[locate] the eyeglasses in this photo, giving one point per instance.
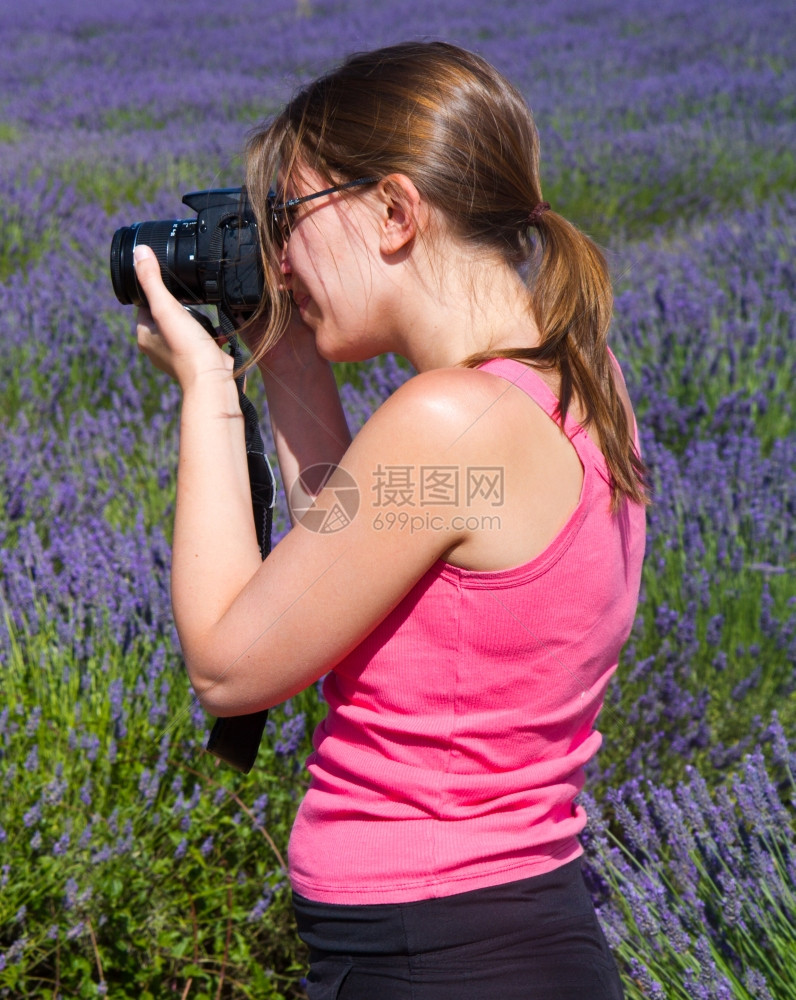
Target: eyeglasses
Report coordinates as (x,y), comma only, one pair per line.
(282,215)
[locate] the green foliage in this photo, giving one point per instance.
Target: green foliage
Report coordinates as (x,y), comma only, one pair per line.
(10,133)
(135,859)
(114,185)
(609,195)
(732,671)
(18,247)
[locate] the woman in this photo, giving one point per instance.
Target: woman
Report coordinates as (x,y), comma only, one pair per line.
(469,613)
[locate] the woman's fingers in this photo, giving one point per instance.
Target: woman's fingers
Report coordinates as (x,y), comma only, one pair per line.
(163,318)
(147,271)
(165,315)
(172,339)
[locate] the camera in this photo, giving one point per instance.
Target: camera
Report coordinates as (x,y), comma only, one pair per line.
(213,259)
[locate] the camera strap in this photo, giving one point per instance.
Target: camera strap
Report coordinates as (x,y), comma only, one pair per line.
(261,476)
(236,739)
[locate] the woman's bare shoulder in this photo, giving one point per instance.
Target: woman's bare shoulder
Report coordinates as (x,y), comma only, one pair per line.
(442,401)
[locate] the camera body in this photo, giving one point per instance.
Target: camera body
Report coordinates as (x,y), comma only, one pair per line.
(213,259)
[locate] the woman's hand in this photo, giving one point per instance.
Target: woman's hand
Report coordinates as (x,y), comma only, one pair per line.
(294,351)
(307,419)
(172,339)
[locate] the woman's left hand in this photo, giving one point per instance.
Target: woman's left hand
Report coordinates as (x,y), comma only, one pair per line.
(167,333)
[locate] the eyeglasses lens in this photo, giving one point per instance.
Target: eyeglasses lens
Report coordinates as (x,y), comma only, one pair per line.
(280,227)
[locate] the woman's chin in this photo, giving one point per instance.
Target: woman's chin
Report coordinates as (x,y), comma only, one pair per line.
(340,353)
(326,351)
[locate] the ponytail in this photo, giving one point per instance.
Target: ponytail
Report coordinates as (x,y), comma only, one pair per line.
(572,301)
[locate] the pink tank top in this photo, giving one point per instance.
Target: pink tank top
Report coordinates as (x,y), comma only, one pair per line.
(458,730)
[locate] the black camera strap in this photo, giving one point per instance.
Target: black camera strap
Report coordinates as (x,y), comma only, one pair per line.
(236,739)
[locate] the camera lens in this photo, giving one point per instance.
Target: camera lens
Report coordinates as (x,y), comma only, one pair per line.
(122,272)
(174,244)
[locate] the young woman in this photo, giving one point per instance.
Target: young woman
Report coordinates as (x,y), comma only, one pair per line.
(469,602)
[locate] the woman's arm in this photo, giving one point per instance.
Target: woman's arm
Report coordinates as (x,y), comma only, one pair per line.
(323,589)
(253,633)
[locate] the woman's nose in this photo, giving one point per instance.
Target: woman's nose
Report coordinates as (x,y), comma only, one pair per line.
(285,270)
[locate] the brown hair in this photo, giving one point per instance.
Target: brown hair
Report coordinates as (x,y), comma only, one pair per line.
(464,135)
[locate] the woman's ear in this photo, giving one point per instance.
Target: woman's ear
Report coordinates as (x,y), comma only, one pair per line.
(403,213)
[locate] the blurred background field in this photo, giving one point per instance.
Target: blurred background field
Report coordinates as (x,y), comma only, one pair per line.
(131,864)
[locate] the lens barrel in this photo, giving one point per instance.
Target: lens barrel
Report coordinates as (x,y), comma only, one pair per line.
(122,271)
(174,244)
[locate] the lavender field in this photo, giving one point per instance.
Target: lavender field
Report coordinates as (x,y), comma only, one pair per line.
(131,864)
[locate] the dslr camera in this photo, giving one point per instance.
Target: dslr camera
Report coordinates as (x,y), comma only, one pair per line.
(213,259)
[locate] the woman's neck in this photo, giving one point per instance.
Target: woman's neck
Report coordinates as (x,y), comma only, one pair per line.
(482,308)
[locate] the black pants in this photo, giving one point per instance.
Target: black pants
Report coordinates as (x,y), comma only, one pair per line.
(537,939)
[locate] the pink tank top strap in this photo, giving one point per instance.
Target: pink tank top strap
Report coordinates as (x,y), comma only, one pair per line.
(531,382)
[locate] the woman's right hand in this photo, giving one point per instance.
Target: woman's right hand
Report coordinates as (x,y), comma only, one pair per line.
(172,339)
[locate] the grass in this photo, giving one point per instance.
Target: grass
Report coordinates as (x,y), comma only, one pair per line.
(618,210)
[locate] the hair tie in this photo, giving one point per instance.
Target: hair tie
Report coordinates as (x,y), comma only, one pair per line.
(538,212)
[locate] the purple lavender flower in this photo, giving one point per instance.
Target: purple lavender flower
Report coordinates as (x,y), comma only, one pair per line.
(33,815)
(61,845)
(293,732)
(756,983)
(76,930)
(85,792)
(70,897)
(32,760)
(260,907)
